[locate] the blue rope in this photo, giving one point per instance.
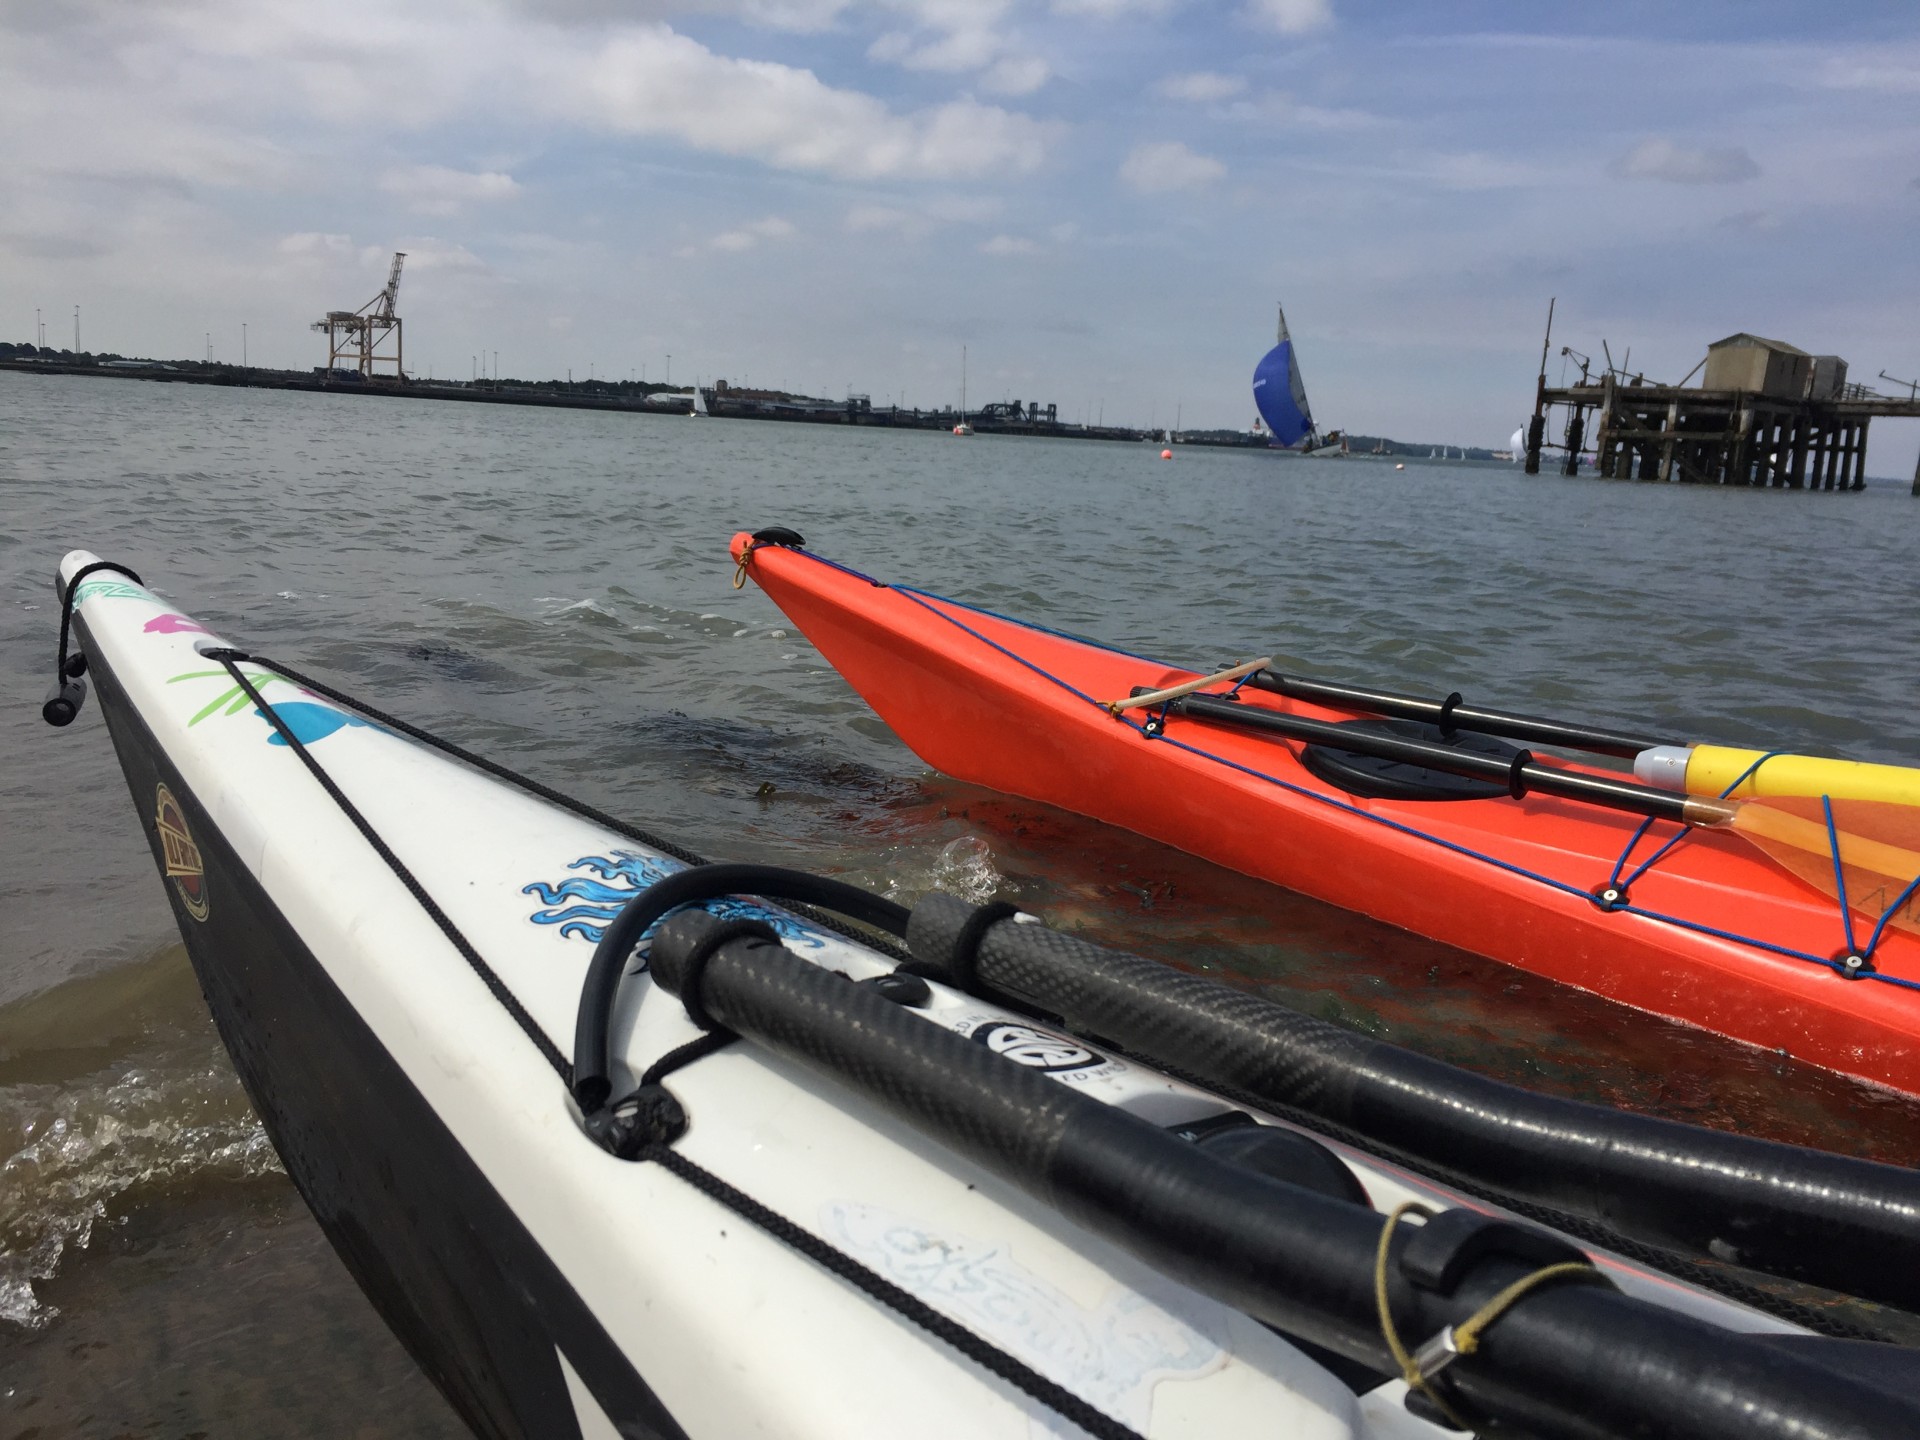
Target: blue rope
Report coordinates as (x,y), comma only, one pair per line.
(1887,915)
(923,599)
(1839,876)
(1615,882)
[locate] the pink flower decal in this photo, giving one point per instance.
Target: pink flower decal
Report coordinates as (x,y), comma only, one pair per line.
(174,625)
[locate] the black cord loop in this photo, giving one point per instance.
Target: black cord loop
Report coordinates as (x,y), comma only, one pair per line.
(963,961)
(69,691)
(696,965)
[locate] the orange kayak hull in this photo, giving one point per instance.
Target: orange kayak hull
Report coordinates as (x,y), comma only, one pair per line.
(1714,934)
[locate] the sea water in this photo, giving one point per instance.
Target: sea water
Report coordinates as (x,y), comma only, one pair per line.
(553,589)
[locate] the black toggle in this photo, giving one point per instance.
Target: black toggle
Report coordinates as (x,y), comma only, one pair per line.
(63,702)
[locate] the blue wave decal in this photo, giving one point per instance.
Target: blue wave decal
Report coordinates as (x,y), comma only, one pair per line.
(309,722)
(583,907)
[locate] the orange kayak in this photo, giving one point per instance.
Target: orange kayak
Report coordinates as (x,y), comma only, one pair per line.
(1712,932)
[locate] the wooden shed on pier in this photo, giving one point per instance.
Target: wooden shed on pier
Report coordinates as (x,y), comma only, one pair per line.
(1766,413)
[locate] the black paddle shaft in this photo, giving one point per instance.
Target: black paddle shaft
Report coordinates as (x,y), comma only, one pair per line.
(1520,774)
(1452,714)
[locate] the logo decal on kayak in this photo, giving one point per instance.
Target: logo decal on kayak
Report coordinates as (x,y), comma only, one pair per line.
(184,866)
(583,907)
(1035,1049)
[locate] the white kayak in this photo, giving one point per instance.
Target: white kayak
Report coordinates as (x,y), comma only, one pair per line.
(889,1206)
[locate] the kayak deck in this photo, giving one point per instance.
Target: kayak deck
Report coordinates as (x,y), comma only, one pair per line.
(1711,932)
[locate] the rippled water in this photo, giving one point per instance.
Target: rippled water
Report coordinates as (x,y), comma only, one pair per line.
(553,590)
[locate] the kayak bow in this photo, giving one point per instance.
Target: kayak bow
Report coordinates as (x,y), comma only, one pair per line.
(789,1187)
(1722,930)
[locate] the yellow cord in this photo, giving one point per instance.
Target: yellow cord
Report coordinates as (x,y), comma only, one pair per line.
(740,570)
(1466,1335)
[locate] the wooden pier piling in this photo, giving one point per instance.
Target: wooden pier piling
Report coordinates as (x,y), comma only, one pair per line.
(1768,416)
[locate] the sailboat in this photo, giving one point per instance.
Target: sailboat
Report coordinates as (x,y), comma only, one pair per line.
(963,428)
(1282,400)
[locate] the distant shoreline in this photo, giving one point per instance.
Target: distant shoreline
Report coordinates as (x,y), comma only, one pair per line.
(631,399)
(507,393)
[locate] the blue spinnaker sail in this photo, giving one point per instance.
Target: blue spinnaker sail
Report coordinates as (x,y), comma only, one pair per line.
(1275,387)
(1280,395)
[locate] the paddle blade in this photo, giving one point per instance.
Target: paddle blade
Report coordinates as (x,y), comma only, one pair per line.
(1879,849)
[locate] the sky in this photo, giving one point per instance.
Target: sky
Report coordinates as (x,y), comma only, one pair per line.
(1101,200)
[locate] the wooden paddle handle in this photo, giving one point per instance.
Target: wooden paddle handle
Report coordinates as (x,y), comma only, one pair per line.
(1187,687)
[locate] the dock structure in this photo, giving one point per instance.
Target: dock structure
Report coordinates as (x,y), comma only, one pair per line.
(1766,414)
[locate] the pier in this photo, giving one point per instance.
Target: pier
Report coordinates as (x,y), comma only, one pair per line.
(1767,414)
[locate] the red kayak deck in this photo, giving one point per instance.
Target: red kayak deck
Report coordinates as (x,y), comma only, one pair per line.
(1714,934)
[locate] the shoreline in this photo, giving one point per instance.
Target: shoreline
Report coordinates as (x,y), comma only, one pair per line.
(489,393)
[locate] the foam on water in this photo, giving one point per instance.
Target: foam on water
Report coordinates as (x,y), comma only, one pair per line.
(114,1094)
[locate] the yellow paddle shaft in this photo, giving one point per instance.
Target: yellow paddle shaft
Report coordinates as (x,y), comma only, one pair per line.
(1712,768)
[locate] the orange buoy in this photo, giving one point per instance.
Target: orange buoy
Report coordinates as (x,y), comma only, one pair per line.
(1166,454)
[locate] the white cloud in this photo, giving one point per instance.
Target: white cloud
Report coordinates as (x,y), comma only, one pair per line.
(425,255)
(1112,9)
(652,81)
(438,190)
(1009,245)
(958,37)
(1291,17)
(878,217)
(1889,70)
(1657,158)
(314,242)
(1017,75)
(745,237)
(1476,170)
(1278,107)
(924,217)
(965,209)
(179,92)
(1169,165)
(1201,87)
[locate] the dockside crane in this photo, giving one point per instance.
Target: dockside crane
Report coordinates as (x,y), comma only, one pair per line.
(365,340)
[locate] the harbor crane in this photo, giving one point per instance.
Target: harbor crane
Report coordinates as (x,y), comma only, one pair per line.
(360,342)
